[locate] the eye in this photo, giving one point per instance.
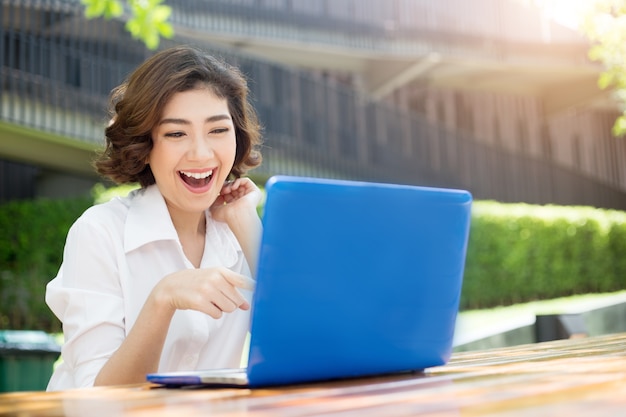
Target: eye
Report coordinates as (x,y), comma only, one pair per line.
(219,130)
(174,134)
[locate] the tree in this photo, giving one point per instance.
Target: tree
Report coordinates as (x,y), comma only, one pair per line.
(148,19)
(605,26)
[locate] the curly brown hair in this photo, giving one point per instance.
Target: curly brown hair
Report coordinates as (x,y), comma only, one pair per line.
(137,105)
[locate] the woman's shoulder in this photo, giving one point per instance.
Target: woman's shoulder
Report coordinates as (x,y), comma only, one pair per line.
(110,213)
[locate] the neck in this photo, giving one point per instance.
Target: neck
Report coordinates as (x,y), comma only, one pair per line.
(186,223)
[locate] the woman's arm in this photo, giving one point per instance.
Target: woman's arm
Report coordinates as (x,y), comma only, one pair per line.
(140,351)
(212,291)
(247,229)
(236,206)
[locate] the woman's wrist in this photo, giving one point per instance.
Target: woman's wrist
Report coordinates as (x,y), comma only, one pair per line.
(161,298)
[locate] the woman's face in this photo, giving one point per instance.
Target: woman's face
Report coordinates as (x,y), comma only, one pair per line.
(194,149)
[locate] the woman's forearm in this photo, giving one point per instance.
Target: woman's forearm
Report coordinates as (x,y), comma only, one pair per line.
(247,228)
(140,352)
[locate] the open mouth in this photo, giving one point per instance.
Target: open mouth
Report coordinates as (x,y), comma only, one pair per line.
(196,179)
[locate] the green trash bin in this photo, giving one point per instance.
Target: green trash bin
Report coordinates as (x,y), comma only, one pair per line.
(27,358)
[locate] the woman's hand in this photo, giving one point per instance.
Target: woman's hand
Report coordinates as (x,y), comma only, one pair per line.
(241,195)
(212,291)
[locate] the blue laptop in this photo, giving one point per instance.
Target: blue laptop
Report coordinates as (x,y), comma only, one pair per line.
(354,279)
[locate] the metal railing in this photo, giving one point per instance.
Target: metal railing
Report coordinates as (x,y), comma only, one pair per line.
(313,126)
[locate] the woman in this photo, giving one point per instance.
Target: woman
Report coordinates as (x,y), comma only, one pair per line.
(161,280)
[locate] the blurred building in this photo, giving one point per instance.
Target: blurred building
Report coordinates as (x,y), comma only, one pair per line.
(486,95)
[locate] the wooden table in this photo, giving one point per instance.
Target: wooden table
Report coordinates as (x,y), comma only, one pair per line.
(578,377)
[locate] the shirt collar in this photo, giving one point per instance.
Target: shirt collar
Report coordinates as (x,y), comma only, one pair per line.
(148,219)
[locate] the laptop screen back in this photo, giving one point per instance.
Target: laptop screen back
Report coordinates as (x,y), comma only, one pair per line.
(356,279)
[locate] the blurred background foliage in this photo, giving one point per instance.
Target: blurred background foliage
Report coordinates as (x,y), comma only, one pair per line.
(146,20)
(521,252)
(604,23)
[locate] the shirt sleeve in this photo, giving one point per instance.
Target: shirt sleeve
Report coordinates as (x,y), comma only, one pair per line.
(86,296)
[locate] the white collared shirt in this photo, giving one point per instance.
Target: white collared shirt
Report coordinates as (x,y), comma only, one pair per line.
(114,255)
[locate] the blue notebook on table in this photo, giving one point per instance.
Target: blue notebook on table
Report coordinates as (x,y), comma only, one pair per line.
(354,279)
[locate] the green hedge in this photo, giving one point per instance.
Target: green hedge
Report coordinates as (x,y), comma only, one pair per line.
(516,253)
(31,250)
(521,252)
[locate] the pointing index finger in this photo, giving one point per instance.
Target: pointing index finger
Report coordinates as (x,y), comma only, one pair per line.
(240,281)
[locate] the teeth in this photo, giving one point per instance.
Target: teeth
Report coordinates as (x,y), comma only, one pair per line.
(197,175)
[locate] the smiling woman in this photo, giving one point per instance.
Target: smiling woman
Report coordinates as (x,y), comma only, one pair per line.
(161,279)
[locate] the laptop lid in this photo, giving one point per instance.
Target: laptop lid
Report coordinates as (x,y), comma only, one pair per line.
(355,279)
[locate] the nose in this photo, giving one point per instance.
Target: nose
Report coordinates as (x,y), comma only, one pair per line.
(200,148)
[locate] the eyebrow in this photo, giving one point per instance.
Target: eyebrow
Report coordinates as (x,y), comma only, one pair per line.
(210,119)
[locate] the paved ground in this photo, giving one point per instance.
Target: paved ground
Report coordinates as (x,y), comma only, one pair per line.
(477,324)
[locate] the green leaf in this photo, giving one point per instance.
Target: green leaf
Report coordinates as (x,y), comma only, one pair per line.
(619,128)
(166,30)
(113,9)
(161,13)
(94,8)
(605,80)
(106,8)
(151,40)
(134,27)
